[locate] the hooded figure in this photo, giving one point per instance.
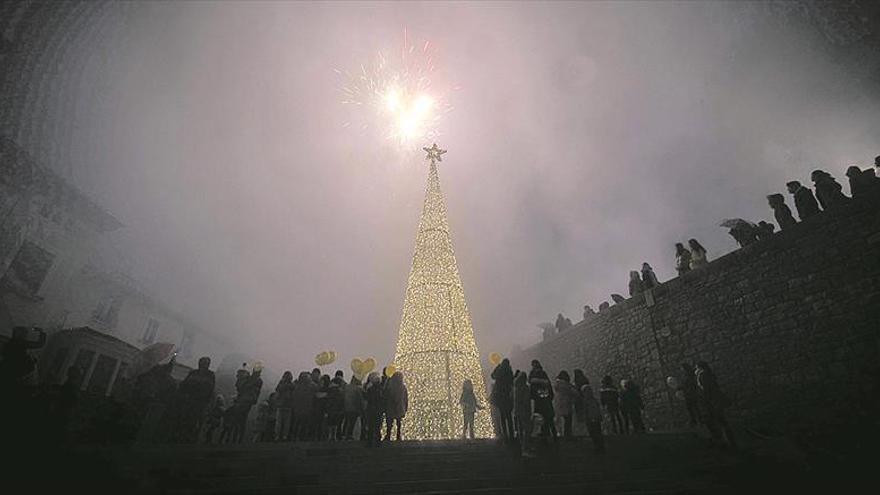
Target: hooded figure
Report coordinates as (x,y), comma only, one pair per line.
(828,191)
(396,403)
(781,211)
(631,407)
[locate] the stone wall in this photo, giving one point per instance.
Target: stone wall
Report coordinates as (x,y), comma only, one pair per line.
(791,326)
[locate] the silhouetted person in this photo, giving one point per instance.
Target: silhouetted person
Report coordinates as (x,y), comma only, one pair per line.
(568,323)
(610,399)
(304,390)
(18,369)
(542,395)
(354,406)
(631,407)
(522,409)
(336,405)
(469,407)
(781,211)
(688,389)
(284,407)
(862,183)
(682,259)
(712,405)
(579,380)
(248,393)
(396,403)
(66,402)
(319,411)
(636,286)
(698,254)
(804,201)
(193,396)
(502,397)
(744,233)
(153,391)
(617,298)
(603,306)
(588,311)
(764,230)
(828,191)
(213,418)
(374,400)
(648,277)
(563,402)
(593,418)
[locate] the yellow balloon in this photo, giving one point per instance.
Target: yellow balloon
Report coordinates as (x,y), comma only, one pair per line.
(331,357)
(356,365)
(390,370)
(494,358)
(368,366)
(321,358)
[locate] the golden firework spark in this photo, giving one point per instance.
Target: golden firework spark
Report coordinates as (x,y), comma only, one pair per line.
(397,95)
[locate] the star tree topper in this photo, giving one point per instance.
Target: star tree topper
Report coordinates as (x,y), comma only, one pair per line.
(434,154)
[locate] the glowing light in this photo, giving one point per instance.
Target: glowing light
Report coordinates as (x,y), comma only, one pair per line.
(436,349)
(398,95)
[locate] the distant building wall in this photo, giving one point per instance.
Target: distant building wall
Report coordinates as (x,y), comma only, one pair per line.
(791,326)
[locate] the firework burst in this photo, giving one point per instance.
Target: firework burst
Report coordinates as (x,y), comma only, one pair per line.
(396,95)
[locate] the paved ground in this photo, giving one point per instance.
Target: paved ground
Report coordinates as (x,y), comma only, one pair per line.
(656,463)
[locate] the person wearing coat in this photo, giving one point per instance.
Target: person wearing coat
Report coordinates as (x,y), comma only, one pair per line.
(804,201)
(396,403)
(698,254)
(303,403)
(712,404)
(682,259)
(631,407)
(828,191)
(593,418)
(284,407)
(354,406)
(502,397)
(542,395)
(610,399)
(522,409)
(649,279)
(469,406)
(636,286)
(563,401)
(374,404)
(781,211)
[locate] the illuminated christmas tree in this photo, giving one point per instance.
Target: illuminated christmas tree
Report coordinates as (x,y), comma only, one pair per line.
(435,347)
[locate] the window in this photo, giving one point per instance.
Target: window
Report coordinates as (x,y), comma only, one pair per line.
(151,331)
(28,269)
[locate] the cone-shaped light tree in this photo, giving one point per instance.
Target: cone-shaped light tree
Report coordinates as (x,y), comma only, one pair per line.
(436,349)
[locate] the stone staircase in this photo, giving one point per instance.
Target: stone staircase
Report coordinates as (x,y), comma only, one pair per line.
(654,463)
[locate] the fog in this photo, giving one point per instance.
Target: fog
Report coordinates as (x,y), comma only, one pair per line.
(585,139)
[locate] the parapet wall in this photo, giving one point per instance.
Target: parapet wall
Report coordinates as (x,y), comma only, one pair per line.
(791,326)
